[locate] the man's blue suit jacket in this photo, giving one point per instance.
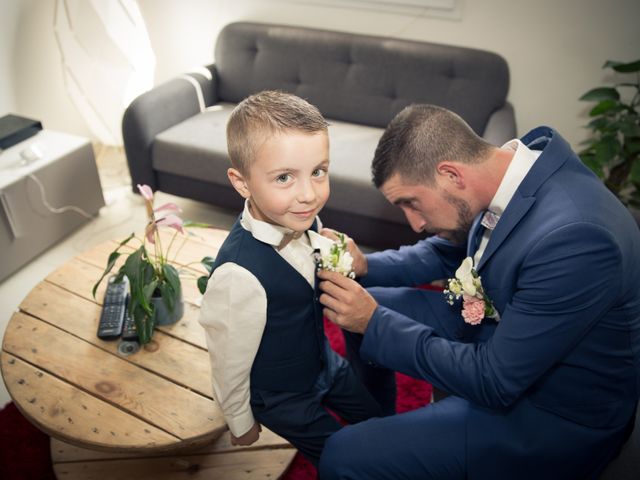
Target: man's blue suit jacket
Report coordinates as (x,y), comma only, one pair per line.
(554,383)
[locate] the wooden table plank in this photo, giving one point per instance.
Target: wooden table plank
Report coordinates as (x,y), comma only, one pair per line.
(176,410)
(187,328)
(186,251)
(78,276)
(62,452)
(182,363)
(242,465)
(210,237)
(64,411)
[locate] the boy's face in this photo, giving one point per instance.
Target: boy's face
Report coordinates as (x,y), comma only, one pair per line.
(288,181)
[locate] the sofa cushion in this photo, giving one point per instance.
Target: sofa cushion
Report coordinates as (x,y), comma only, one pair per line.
(197,148)
(359,78)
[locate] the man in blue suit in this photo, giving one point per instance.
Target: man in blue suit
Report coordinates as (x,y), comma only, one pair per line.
(546,390)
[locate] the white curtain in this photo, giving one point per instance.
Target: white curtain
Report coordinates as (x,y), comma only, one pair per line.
(106,58)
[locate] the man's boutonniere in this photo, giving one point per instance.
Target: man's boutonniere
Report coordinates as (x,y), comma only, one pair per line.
(475,303)
(335,257)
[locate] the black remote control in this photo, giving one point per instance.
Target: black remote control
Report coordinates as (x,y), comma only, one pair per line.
(129,332)
(113,309)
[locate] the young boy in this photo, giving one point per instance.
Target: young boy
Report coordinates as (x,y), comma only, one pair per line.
(271,363)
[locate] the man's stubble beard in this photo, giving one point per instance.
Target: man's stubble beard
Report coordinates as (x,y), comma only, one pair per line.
(465,220)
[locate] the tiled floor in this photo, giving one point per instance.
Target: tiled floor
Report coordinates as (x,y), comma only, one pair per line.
(124,212)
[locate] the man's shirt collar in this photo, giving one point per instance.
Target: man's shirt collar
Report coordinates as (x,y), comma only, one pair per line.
(522,161)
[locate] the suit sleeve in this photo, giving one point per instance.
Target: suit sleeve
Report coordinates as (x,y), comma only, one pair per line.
(566,283)
(430,259)
(233,314)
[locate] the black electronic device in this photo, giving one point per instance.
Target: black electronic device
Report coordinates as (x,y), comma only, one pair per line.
(14,129)
(129,332)
(113,309)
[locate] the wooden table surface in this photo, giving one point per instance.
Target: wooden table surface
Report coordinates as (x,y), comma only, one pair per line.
(81,391)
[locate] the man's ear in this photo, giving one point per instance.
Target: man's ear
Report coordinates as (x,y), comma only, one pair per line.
(451,173)
(238,182)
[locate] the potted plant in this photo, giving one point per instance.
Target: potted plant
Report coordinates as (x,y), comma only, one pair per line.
(155,290)
(613,150)
(207,262)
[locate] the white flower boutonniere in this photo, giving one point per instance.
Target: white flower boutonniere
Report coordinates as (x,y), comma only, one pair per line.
(475,303)
(336,258)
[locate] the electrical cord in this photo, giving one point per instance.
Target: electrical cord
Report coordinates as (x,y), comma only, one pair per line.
(53,209)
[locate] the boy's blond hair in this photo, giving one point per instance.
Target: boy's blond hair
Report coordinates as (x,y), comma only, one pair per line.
(265,114)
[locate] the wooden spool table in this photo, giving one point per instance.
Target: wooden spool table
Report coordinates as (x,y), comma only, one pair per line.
(146,415)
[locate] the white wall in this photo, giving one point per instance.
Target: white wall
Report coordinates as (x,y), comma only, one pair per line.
(8,25)
(555,49)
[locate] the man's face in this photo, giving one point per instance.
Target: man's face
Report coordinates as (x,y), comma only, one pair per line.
(433,210)
(288,181)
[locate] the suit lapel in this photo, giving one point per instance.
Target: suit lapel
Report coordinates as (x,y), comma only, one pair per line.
(555,153)
(508,221)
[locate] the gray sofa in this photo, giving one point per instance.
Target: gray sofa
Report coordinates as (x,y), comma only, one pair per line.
(174,135)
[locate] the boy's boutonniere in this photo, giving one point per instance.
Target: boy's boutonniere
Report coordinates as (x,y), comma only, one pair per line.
(475,303)
(335,258)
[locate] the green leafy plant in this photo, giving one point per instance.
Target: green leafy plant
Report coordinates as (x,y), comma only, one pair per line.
(613,150)
(207,262)
(149,275)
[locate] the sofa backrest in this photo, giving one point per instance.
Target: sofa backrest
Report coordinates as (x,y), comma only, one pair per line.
(357,78)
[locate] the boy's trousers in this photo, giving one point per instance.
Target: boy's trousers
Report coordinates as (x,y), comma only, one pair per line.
(302,417)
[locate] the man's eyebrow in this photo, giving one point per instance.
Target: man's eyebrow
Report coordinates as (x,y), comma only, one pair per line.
(400,200)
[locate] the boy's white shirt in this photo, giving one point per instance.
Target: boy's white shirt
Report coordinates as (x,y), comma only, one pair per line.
(234,314)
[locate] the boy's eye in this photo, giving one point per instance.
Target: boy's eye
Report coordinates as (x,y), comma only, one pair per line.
(284,178)
(319,172)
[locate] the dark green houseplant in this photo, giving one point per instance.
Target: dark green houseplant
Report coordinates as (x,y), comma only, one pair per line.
(613,150)
(153,280)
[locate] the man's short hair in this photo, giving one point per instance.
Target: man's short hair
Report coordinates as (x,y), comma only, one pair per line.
(263,115)
(418,139)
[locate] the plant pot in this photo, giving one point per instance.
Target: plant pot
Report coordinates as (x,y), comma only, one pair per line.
(162,314)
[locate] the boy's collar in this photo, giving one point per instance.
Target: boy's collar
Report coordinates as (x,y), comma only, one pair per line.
(267,232)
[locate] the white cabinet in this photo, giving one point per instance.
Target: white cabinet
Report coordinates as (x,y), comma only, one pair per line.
(37,177)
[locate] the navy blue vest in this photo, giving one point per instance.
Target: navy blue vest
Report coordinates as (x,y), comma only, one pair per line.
(291,352)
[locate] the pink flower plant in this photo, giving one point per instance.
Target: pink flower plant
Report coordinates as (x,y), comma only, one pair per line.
(150,275)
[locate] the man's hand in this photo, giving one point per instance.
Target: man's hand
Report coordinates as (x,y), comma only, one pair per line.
(360,265)
(248,438)
(347,304)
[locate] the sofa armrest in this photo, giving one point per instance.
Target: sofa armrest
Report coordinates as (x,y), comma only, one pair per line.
(159,109)
(501,126)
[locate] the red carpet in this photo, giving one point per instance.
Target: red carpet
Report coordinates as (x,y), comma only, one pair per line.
(24,450)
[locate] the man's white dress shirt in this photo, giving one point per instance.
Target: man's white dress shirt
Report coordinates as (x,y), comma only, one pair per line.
(234,314)
(522,161)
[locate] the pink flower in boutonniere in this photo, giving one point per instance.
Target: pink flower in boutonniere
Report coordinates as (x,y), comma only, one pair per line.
(472,309)
(475,303)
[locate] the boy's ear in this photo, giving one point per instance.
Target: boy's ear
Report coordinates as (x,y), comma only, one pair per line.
(238,182)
